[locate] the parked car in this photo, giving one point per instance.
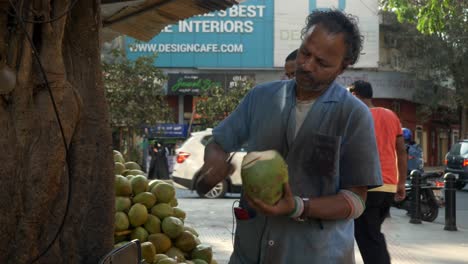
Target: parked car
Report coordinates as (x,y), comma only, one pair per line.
(456,162)
(189,158)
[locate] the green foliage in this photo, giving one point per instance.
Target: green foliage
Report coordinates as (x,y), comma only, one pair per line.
(134,91)
(220,103)
(441,54)
(430,16)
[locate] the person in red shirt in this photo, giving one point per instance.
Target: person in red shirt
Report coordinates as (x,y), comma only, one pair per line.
(393,163)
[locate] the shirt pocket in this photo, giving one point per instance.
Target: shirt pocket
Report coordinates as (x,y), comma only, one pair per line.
(320,162)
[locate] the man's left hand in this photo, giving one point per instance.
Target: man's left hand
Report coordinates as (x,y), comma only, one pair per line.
(283,207)
(401,192)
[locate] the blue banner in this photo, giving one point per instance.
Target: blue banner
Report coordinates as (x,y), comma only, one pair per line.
(168,131)
(239,37)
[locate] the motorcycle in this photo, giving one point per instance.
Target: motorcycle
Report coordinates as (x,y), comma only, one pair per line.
(431,196)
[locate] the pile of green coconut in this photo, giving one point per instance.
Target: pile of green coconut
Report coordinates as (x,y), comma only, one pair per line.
(147,210)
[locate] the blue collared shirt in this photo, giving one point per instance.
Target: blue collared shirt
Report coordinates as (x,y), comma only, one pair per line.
(335,148)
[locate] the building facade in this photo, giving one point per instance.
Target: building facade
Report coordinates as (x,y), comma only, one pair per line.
(252,40)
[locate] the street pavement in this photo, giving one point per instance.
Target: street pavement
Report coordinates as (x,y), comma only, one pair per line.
(408,243)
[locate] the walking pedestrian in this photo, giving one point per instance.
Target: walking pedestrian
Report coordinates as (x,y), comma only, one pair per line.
(392,155)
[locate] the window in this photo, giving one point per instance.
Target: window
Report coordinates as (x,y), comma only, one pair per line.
(459,149)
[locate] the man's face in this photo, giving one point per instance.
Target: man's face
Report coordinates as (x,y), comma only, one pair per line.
(290,69)
(320,59)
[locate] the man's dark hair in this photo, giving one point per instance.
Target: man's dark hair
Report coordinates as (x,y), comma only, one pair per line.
(335,22)
(362,89)
(292,56)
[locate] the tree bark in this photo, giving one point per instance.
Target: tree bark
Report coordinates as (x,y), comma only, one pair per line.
(35,169)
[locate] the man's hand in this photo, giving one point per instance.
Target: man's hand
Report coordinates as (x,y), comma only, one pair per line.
(214,170)
(401,192)
(283,207)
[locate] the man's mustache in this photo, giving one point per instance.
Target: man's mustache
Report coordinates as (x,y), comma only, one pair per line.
(306,74)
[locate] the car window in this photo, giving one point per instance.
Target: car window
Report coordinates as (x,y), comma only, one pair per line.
(459,149)
(464,149)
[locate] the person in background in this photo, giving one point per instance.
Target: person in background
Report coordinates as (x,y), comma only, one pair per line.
(153,152)
(290,65)
(145,148)
(326,137)
(392,155)
(414,150)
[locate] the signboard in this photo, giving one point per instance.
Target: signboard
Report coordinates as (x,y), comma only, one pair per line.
(196,84)
(168,130)
(290,18)
(239,37)
(254,34)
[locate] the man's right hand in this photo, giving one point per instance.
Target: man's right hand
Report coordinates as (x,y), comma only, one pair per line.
(215,168)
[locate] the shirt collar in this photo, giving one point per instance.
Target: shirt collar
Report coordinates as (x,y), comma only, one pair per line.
(334,92)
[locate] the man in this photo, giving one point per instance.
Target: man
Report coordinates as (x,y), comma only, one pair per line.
(327,139)
(414,150)
(290,65)
(392,154)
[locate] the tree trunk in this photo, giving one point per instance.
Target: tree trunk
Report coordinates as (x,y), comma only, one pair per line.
(34,171)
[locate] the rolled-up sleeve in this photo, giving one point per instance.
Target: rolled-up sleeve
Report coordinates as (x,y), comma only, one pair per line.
(359,160)
(233,131)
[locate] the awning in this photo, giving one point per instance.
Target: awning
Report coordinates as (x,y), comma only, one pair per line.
(144,19)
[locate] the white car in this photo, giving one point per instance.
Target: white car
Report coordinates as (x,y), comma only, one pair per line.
(189,158)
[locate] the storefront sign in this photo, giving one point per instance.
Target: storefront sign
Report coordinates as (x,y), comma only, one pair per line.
(196,84)
(254,34)
(168,130)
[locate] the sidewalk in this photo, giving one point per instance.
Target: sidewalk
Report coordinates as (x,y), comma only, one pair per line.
(426,243)
(422,243)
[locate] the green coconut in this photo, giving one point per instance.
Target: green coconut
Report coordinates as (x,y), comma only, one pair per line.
(153,224)
(138,215)
(130,165)
(162,210)
(263,175)
(118,157)
(134,172)
(148,251)
(139,233)
(121,221)
(179,213)
(122,204)
(167,261)
(146,198)
(119,168)
(159,257)
(191,230)
(186,241)
(161,242)
(172,226)
(176,254)
(203,252)
(123,187)
(139,184)
(164,192)
(153,183)
(199,261)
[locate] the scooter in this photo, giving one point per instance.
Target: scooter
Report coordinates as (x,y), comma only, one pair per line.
(431,197)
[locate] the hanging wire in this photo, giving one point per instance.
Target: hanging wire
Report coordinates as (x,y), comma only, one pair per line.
(41,68)
(233,221)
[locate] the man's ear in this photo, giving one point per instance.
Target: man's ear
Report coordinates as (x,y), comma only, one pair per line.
(344,65)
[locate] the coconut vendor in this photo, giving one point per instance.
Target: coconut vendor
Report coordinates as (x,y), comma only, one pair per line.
(326,137)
